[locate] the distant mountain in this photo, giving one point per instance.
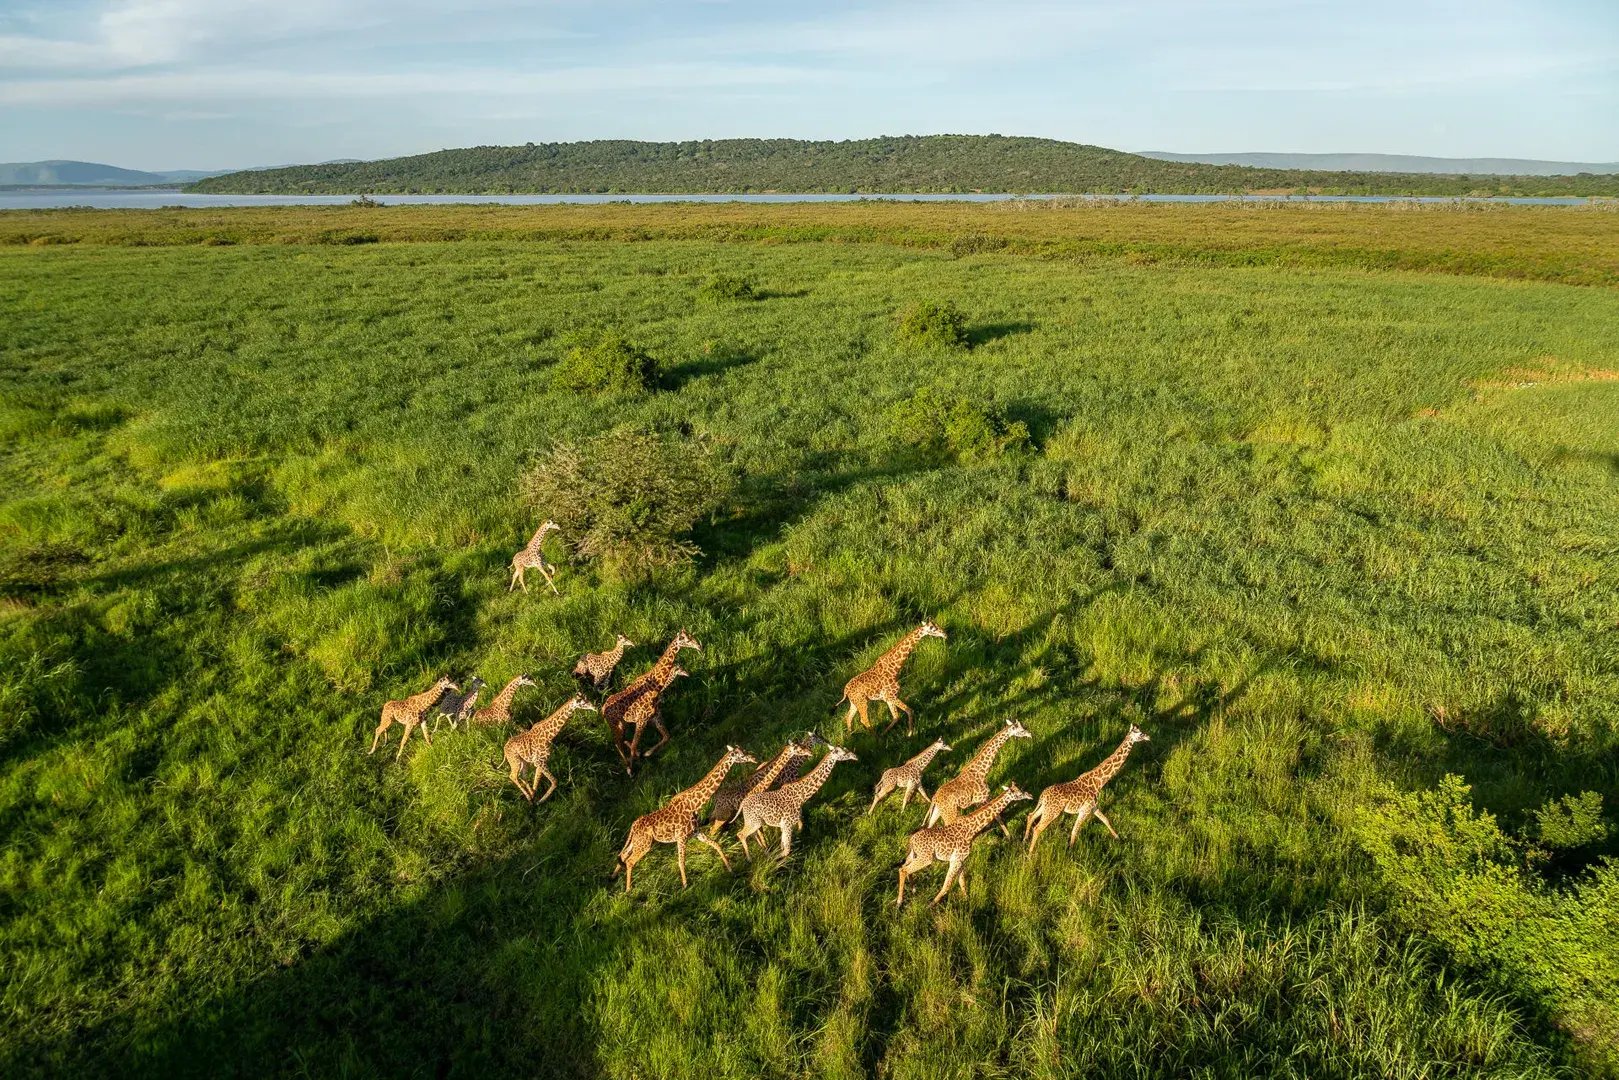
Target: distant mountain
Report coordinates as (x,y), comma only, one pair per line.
(1401,163)
(908,163)
(92,174)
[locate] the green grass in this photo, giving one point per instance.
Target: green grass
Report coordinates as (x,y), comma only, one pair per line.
(1328,532)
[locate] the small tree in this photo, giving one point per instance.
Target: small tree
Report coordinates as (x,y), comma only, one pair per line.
(628,498)
(932,324)
(726,288)
(956,426)
(606,364)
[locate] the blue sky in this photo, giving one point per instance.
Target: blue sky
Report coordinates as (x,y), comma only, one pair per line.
(219,83)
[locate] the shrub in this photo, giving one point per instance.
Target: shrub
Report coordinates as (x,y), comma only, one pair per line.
(607,364)
(628,498)
(725,288)
(973,243)
(957,426)
(1572,821)
(932,324)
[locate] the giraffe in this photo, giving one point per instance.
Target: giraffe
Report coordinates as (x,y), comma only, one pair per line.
(908,777)
(728,799)
(644,710)
(499,711)
(532,557)
(594,669)
(410,712)
(614,708)
(533,747)
(953,843)
(1079,797)
(967,788)
(457,707)
(676,822)
(880,682)
(783,808)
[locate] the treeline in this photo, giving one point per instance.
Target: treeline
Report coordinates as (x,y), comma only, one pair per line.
(946,164)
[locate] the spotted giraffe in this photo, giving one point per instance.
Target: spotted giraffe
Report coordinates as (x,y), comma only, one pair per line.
(646,710)
(908,777)
(783,808)
(953,843)
(880,682)
(676,822)
(1079,797)
(499,711)
(533,747)
(594,669)
(410,712)
(615,707)
(532,557)
(968,788)
(781,769)
(457,707)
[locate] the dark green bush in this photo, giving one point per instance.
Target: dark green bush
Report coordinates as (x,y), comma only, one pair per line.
(607,364)
(932,324)
(628,498)
(956,426)
(726,288)
(973,243)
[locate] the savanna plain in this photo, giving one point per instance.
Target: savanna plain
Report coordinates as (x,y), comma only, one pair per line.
(1325,499)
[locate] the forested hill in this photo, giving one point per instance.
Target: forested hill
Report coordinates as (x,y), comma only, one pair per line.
(912,163)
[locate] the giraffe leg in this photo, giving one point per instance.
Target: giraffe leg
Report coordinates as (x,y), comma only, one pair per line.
(865,719)
(901,901)
(630,858)
(402,742)
(1034,815)
(657,722)
(1080,817)
(749,827)
(949,879)
(1103,819)
(922,791)
(540,771)
(717,850)
(893,714)
(961,881)
(517,778)
(906,869)
(885,788)
(786,840)
(382,729)
(910,717)
(680,856)
(1002,824)
(421,725)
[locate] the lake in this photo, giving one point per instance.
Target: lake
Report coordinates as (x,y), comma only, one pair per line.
(151,199)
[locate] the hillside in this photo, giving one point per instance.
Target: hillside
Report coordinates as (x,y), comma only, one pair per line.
(931,163)
(91,174)
(1400,163)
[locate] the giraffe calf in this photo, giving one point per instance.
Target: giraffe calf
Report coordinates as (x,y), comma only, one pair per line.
(908,777)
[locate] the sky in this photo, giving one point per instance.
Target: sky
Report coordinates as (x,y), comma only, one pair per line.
(210,84)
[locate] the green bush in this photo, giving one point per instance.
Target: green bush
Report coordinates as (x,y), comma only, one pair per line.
(1572,821)
(607,364)
(956,426)
(932,324)
(973,243)
(726,288)
(628,498)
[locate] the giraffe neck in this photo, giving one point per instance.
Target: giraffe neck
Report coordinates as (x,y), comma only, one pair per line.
(926,757)
(615,654)
(895,658)
(979,819)
(503,700)
(804,789)
(538,541)
(979,765)
(1111,765)
(773,768)
(547,729)
(693,798)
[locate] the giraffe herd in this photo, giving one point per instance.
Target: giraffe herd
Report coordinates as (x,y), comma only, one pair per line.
(773,795)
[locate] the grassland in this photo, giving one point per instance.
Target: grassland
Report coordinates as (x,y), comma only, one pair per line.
(1324,499)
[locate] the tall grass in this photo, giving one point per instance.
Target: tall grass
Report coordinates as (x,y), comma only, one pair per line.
(1329,534)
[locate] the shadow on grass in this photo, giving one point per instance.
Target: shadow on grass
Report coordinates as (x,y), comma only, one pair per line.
(719,360)
(984,333)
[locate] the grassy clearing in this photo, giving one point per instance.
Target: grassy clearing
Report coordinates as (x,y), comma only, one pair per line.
(1329,532)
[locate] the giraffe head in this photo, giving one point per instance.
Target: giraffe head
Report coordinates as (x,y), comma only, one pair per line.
(683,640)
(798,749)
(810,740)
(838,753)
(676,671)
(549,526)
(1137,735)
(735,755)
(625,643)
(579,701)
(446,683)
(940,746)
(522,680)
(931,629)
(1017,730)
(1014,793)
(474,684)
